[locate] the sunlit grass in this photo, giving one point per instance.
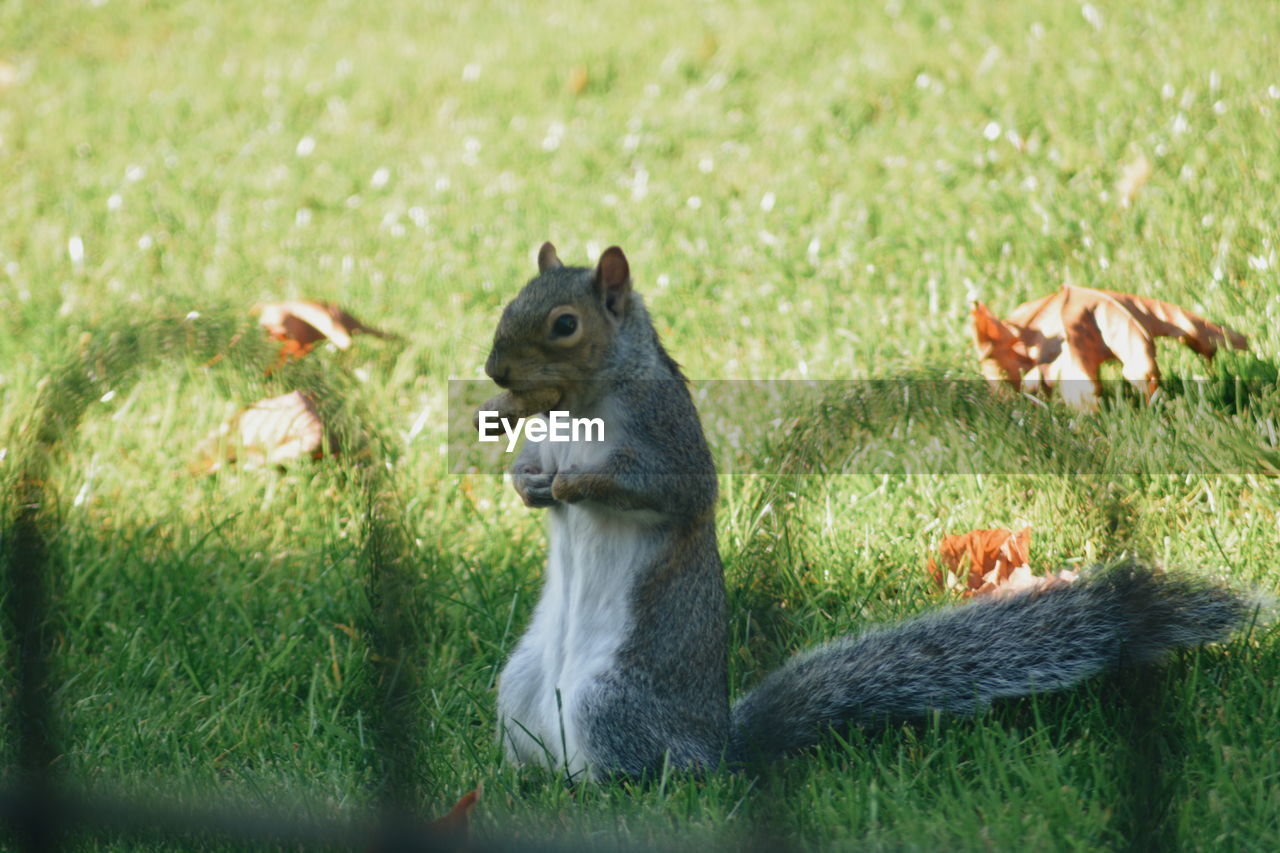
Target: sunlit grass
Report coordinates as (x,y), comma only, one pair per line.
(803,191)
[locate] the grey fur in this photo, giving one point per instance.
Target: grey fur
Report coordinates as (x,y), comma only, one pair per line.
(665,697)
(668,693)
(960,659)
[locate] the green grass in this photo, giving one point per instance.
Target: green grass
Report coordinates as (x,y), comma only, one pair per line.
(803,190)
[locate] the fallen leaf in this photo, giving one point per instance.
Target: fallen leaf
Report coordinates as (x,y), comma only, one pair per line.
(1002,354)
(449,833)
(1132,178)
(990,563)
(1061,340)
(456,825)
(578,79)
(300,323)
(269,432)
(980,558)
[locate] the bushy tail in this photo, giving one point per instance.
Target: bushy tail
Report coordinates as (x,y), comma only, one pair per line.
(962,658)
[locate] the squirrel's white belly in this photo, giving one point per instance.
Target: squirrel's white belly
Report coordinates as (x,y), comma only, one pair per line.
(580,623)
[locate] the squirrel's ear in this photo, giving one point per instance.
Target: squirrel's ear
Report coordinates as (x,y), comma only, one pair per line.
(613,280)
(548,259)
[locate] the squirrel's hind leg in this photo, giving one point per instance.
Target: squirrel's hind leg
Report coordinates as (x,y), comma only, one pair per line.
(631,733)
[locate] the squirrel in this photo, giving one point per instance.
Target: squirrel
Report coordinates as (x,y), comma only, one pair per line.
(623,668)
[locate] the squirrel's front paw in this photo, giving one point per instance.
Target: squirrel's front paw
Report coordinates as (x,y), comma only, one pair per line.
(533,486)
(569,485)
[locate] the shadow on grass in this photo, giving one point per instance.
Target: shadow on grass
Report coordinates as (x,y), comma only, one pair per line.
(111,358)
(1238,383)
(924,425)
(398,599)
(897,428)
(921,425)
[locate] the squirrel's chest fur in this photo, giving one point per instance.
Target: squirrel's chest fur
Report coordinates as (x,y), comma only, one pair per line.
(582,620)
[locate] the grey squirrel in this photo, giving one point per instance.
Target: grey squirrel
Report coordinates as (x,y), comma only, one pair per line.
(623,666)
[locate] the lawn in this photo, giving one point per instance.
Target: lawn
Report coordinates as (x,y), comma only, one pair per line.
(804,191)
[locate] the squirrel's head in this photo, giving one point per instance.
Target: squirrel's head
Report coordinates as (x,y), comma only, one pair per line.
(557,334)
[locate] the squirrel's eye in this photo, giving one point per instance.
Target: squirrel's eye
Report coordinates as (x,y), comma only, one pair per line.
(565,325)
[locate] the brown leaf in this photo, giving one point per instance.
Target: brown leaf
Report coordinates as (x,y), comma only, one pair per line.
(451,832)
(1062,340)
(992,562)
(980,557)
(578,79)
(1001,352)
(457,823)
(303,322)
(269,432)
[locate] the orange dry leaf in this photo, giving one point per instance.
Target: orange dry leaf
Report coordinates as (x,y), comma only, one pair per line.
(269,432)
(980,557)
(1062,339)
(578,79)
(300,323)
(451,832)
(454,827)
(989,562)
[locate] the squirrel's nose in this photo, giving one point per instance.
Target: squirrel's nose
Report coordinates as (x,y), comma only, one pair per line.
(500,375)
